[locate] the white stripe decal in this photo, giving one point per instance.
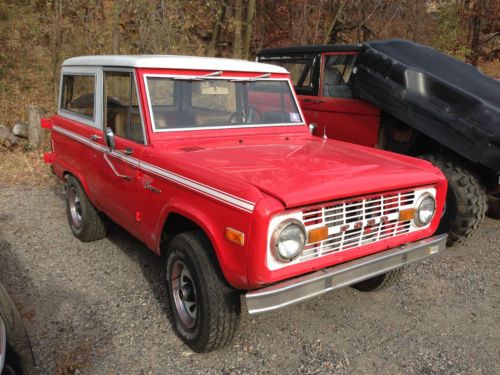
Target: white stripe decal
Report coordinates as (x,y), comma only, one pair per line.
(217,194)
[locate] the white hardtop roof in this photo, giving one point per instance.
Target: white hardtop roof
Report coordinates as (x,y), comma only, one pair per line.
(174,62)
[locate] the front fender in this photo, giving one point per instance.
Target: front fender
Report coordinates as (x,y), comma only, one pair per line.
(232,258)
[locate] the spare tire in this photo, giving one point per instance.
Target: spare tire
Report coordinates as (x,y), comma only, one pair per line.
(466,201)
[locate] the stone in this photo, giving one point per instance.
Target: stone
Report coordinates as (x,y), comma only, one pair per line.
(21,130)
(7,139)
(4,132)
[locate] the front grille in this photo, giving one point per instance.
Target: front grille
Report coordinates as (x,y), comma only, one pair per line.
(356,222)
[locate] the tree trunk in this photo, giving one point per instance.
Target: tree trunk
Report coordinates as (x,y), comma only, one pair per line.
(211,49)
(329,37)
(56,46)
(115,38)
(237,29)
(36,134)
(248,28)
(474,45)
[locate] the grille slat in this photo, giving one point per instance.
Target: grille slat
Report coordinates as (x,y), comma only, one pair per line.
(353,223)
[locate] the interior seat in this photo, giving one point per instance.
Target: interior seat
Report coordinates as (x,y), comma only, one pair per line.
(120,122)
(334,85)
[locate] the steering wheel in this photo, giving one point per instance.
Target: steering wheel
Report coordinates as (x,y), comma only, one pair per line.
(239,116)
(253,114)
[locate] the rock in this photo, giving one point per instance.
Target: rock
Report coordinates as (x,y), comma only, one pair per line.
(21,130)
(7,139)
(4,132)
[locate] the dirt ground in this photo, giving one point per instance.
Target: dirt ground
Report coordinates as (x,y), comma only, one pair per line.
(98,308)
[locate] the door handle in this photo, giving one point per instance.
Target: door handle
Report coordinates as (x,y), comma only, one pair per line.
(114,169)
(314,101)
(127,151)
(95,137)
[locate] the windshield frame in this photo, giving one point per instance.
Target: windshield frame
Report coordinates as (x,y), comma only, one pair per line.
(224,78)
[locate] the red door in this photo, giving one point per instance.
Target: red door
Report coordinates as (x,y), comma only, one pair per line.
(116,174)
(118,183)
(334,110)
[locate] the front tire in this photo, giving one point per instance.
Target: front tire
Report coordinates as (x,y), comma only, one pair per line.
(380,282)
(203,309)
(466,201)
(85,221)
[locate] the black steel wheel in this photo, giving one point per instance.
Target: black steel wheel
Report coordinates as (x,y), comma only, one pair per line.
(85,221)
(203,309)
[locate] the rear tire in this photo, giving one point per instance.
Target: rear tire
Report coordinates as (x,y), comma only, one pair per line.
(380,282)
(466,201)
(203,309)
(85,221)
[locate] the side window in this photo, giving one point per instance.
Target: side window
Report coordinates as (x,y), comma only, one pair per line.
(78,93)
(301,72)
(122,113)
(337,70)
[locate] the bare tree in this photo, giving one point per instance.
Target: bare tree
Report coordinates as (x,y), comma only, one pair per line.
(115,37)
(211,49)
(237,29)
(330,36)
(248,28)
(56,44)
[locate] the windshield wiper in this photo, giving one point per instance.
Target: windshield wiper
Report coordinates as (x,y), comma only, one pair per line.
(199,78)
(251,79)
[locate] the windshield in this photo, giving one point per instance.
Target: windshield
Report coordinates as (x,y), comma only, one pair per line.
(178,103)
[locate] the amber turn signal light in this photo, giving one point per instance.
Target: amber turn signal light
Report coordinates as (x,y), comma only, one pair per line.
(408,214)
(318,234)
(235,236)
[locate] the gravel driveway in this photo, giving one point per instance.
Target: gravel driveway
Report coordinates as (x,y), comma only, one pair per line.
(98,308)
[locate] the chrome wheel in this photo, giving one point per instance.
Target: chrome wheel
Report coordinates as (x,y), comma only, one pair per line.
(184,293)
(75,207)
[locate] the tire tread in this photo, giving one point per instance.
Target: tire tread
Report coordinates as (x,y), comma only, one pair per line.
(473,202)
(93,225)
(224,310)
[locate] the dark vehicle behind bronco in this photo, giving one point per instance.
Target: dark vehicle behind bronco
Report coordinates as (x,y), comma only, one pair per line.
(411,99)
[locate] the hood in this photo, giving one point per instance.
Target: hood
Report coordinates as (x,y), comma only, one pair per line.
(308,169)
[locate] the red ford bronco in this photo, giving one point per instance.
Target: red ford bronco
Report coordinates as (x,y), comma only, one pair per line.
(210,163)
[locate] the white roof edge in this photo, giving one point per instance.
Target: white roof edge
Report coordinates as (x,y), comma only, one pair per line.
(174,62)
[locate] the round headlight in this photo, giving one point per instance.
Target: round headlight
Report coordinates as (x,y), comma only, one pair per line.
(426,208)
(288,240)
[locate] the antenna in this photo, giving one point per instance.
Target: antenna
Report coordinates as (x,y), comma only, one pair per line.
(324,132)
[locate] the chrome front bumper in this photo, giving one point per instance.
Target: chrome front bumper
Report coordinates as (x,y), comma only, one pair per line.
(319,282)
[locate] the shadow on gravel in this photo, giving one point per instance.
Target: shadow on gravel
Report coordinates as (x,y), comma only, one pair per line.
(47,319)
(151,265)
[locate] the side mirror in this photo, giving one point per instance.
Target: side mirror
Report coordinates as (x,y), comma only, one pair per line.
(312,127)
(110,138)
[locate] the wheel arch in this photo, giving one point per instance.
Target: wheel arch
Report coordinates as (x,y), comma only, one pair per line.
(80,179)
(412,142)
(177,218)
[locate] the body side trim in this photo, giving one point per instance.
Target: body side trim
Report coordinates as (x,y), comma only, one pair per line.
(214,193)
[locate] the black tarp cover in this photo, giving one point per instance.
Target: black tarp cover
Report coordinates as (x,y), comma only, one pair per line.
(446,99)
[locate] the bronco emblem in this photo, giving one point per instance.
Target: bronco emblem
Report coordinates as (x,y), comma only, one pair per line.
(148,186)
